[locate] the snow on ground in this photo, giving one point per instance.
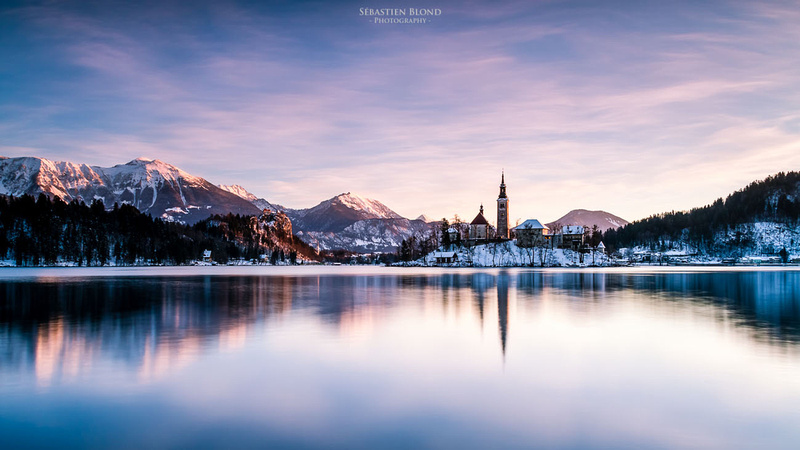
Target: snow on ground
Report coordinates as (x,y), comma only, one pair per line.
(168,218)
(765,237)
(749,240)
(508,254)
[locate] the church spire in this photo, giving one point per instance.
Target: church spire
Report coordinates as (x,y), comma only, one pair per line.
(503,185)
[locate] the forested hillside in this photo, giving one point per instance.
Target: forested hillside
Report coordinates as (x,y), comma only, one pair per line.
(41,231)
(725,225)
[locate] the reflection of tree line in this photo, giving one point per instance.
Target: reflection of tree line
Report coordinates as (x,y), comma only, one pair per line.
(128,319)
(46,323)
(767,302)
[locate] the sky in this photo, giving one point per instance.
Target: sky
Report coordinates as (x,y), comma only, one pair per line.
(633,107)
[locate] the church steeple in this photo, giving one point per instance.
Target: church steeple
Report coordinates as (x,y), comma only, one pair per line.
(502,209)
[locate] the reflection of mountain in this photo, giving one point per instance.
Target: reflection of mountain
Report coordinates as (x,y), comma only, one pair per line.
(158,324)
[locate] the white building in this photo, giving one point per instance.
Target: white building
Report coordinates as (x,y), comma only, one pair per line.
(531,233)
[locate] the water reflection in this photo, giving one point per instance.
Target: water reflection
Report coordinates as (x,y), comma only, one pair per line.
(502,308)
(424,358)
(53,327)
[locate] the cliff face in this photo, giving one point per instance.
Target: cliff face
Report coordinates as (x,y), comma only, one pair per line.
(258,237)
(276,228)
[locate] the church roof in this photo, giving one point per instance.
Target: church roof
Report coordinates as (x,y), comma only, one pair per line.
(530,224)
(479,220)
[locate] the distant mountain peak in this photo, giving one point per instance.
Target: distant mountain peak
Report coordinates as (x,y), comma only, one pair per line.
(238,190)
(241,192)
(150,163)
(588,218)
(351,197)
(146,171)
(424,218)
(339,212)
(372,208)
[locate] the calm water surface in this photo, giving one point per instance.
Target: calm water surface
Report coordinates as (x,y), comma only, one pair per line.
(377,357)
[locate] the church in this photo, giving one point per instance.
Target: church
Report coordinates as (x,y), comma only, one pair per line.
(479,227)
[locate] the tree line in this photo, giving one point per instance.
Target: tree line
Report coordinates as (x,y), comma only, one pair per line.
(44,231)
(775,199)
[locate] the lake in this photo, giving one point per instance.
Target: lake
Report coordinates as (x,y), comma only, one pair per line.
(374,357)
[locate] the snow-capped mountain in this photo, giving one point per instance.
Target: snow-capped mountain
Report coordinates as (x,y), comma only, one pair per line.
(260,203)
(351,222)
(339,212)
(238,190)
(152,186)
(587,219)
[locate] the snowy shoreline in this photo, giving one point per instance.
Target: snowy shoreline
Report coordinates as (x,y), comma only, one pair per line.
(509,254)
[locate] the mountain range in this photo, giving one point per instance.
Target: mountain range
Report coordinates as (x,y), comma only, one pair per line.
(152,186)
(347,221)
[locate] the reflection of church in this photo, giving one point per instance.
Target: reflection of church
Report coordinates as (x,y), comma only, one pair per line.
(480,284)
(479,227)
(502,309)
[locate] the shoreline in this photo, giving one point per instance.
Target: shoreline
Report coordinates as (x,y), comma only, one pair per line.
(57,274)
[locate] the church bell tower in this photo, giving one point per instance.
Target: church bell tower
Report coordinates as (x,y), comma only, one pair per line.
(502,209)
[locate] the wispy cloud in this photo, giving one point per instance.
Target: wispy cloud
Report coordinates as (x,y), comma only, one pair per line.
(582,109)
